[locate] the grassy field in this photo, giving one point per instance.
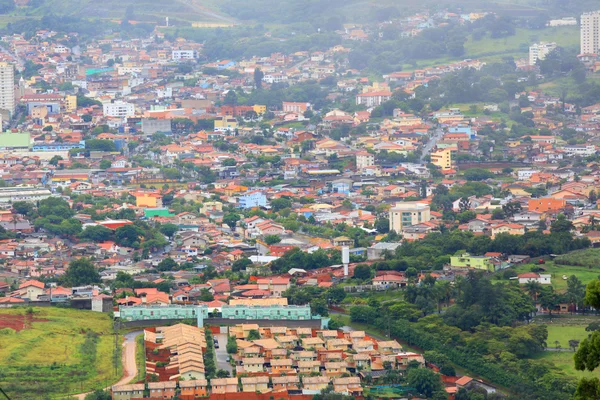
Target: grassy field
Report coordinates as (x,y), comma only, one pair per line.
(62,351)
(557,271)
(564,333)
(517,46)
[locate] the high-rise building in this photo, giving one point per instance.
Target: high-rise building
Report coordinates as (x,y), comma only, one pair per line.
(7,87)
(590,33)
(539,51)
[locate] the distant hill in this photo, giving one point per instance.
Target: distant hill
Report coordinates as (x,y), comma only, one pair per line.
(187,11)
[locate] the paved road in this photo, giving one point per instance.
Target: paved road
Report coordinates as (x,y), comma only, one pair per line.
(437,135)
(129,365)
(221,352)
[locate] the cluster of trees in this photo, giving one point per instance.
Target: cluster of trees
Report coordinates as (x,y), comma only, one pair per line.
(479,332)
(54,216)
(392,52)
(297,258)
(318,298)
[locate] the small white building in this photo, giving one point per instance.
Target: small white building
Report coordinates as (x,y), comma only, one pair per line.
(542,279)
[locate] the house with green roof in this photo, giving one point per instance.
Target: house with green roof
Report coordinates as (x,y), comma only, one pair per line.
(157,212)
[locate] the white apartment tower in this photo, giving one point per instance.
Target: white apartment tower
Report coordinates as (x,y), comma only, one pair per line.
(590,33)
(539,51)
(7,87)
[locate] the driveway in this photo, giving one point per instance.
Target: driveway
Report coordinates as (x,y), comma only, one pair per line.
(221,352)
(129,365)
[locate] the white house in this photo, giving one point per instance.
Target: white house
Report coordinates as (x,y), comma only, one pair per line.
(543,279)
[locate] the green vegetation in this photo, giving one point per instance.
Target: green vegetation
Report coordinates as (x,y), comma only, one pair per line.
(140,358)
(557,272)
(62,351)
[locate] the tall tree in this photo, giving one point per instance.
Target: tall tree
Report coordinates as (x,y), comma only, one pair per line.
(81,272)
(258,77)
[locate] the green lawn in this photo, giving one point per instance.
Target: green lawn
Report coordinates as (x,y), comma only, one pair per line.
(57,356)
(557,271)
(562,329)
(564,362)
(564,333)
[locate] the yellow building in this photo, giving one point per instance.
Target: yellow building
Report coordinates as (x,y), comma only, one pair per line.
(70,103)
(259,109)
(148,200)
(225,124)
(443,158)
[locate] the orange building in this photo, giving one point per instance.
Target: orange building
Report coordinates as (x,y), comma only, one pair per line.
(546,204)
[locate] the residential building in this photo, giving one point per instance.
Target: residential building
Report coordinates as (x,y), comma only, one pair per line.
(7,87)
(225,124)
(364,160)
(255,384)
(373,99)
(590,33)
(118,109)
(468,261)
(406,214)
(224,385)
(295,107)
(252,199)
(443,157)
(539,51)
(546,204)
(542,279)
(127,392)
(184,55)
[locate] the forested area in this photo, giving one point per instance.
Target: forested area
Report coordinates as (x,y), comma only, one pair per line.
(485,331)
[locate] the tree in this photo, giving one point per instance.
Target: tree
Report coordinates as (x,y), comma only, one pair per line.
(382,225)
(258,77)
(168,229)
(231,220)
(231,345)
(105,164)
(168,264)
(425,381)
(575,291)
(362,272)
(97,233)
(81,272)
(55,206)
(54,160)
(587,389)
(253,334)
(336,295)
(129,236)
(229,162)
(272,239)
(98,395)
(22,207)
(561,224)
(592,294)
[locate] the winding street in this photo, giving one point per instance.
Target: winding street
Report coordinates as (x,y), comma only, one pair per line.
(128,359)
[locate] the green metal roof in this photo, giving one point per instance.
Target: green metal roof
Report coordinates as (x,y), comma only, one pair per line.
(157,212)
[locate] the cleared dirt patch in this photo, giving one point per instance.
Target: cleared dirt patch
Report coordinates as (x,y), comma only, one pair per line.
(18,322)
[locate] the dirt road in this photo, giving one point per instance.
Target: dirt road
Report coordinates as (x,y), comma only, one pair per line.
(128,359)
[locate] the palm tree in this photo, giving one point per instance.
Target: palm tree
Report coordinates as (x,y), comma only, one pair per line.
(592,222)
(14,219)
(533,288)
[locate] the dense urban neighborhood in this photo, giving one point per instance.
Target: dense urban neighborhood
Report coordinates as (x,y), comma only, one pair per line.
(321,201)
